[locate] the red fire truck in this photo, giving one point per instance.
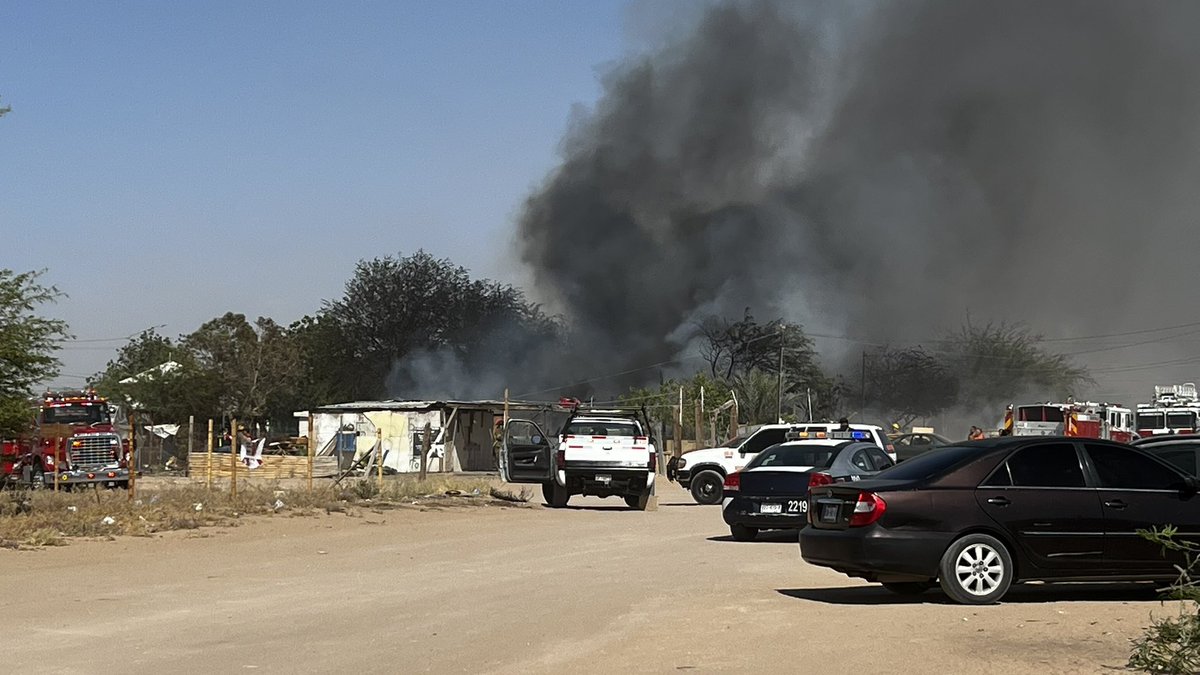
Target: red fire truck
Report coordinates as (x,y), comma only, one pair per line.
(1081,419)
(73,440)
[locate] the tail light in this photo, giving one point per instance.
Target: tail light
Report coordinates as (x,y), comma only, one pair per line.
(868,509)
(560,459)
(733,482)
(818,479)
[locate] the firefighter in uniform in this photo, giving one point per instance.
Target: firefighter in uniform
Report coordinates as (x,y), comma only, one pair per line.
(497,439)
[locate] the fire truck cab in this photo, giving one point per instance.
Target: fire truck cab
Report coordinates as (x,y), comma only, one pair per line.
(74,441)
(1175,410)
(1084,420)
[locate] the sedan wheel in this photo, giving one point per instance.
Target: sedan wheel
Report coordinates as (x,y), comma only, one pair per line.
(976,570)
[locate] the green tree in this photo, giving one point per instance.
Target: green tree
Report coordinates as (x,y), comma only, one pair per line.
(156,375)
(907,383)
(248,366)
(397,308)
(27,345)
(996,363)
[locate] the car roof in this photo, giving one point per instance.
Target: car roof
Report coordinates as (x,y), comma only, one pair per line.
(606,420)
(1165,438)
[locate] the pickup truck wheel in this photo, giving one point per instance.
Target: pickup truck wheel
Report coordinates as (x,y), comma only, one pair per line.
(708,487)
(743,533)
(37,480)
(638,501)
(555,495)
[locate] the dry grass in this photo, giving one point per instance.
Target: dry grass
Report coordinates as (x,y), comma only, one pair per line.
(47,518)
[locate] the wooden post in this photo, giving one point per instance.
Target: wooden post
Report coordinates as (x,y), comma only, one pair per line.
(426,441)
(233,458)
(379,455)
(312,441)
(679,432)
(132,463)
(733,420)
(699,425)
(209,463)
(57,441)
(191,436)
(506,409)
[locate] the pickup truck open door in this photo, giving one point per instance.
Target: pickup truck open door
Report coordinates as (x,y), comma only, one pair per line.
(526,455)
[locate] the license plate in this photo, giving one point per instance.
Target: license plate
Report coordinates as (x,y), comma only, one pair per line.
(603,478)
(829,513)
(770,508)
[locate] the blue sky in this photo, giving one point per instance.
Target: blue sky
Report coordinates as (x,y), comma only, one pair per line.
(168,162)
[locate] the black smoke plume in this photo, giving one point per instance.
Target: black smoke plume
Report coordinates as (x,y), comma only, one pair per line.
(879,170)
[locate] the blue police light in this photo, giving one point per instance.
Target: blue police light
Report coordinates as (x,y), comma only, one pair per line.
(859,435)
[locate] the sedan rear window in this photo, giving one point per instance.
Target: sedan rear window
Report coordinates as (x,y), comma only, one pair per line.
(792,455)
(601,429)
(930,464)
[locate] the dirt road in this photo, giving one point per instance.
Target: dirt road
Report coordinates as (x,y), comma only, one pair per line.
(593,588)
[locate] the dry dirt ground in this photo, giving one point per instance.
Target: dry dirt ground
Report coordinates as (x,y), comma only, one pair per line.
(593,588)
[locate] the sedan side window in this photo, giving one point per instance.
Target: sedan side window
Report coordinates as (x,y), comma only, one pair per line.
(1047,465)
(1184,460)
(860,460)
(882,461)
(1130,470)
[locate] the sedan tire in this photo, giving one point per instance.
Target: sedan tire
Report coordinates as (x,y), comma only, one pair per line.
(909,587)
(976,570)
(708,487)
(743,533)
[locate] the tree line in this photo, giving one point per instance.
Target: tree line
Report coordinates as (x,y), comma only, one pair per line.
(362,344)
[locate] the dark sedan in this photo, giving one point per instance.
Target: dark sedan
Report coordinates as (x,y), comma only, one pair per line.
(977,517)
(771,491)
(1182,450)
(911,445)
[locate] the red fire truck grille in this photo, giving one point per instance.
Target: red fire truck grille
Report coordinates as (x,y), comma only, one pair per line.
(94,450)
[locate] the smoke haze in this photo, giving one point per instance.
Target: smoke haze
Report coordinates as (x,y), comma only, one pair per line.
(879,171)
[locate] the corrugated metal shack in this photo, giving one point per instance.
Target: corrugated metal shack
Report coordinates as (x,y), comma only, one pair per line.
(461,430)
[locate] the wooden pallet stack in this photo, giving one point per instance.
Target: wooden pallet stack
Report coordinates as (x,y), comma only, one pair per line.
(274,467)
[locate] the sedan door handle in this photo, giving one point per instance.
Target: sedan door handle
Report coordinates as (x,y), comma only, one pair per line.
(1115,504)
(999,501)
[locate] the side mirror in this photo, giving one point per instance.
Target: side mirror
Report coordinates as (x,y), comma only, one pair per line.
(1191,485)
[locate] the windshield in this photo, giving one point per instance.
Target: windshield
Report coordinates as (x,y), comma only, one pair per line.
(76,414)
(582,428)
(929,464)
(1039,413)
(735,442)
(1150,421)
(1181,420)
(793,455)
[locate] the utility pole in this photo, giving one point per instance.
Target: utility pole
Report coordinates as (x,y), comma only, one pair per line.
(863,387)
(779,381)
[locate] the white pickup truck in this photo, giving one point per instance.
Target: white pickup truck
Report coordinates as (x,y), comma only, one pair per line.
(602,453)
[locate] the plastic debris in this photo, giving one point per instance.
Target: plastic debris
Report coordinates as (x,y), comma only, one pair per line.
(72,509)
(154,499)
(278,504)
(198,506)
(109,520)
